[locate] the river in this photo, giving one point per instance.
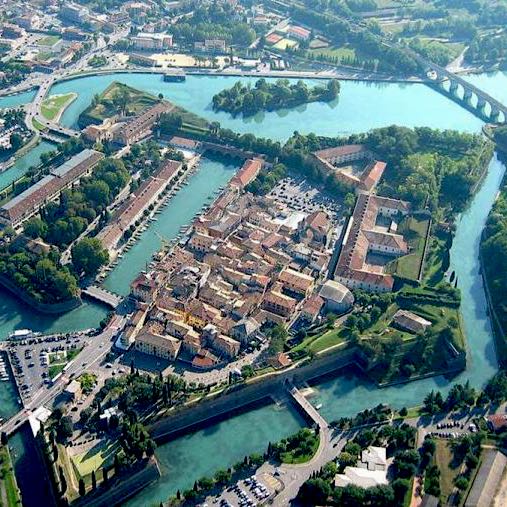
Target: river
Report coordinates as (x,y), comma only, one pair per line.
(361,106)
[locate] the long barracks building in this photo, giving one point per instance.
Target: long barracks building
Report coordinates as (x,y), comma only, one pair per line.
(28,203)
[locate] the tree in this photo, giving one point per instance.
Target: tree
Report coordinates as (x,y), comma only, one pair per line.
(88,255)
(35,228)
(314,492)
(82,488)
(94,480)
(64,428)
(4,438)
(63,481)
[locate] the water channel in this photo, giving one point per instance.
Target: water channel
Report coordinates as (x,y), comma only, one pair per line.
(361,106)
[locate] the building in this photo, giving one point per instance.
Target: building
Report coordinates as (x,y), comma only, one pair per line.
(299,33)
(140,126)
(370,471)
(73,13)
(28,203)
(247,173)
(487,480)
(144,41)
(151,341)
(497,422)
(363,179)
(311,308)
(279,304)
(245,330)
(364,239)
(338,299)
(295,282)
(408,321)
(211,46)
(143,287)
(73,390)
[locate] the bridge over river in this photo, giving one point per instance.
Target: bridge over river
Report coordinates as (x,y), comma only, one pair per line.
(103,296)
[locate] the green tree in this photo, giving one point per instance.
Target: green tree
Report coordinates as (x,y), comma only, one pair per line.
(89,256)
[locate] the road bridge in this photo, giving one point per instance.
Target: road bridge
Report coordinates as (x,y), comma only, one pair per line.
(103,296)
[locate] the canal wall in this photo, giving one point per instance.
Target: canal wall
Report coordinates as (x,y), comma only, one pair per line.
(243,397)
(47,308)
(123,488)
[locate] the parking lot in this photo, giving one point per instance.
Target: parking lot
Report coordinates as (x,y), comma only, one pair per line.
(300,195)
(32,358)
(254,490)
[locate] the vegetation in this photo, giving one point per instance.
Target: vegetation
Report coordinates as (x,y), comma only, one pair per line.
(88,256)
(266,96)
(61,223)
(116,99)
(8,486)
(217,21)
(54,105)
(298,448)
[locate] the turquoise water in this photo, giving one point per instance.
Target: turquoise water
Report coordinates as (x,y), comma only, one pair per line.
(360,107)
(202,453)
(17,100)
(493,83)
(23,163)
(210,176)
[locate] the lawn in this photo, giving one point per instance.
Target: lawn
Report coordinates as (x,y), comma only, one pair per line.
(55,369)
(8,479)
(443,458)
(326,340)
(414,231)
(301,447)
(38,125)
(53,106)
(49,40)
(95,458)
(340,53)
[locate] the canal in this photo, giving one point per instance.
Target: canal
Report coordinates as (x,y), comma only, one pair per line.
(361,106)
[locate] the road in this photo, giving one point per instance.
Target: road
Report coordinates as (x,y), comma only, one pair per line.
(94,353)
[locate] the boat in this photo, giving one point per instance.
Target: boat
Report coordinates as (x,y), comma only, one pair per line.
(318,407)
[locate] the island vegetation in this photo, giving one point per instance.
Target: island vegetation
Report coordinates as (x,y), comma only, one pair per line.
(266,96)
(117,99)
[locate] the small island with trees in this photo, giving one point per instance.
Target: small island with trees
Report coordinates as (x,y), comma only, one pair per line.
(265,96)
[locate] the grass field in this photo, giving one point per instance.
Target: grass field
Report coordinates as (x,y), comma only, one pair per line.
(53,106)
(414,231)
(95,458)
(8,479)
(49,40)
(443,458)
(38,125)
(341,52)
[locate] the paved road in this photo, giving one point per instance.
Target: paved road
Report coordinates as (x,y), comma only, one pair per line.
(99,346)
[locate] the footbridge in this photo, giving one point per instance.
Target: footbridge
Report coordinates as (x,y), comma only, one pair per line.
(103,296)
(305,407)
(462,91)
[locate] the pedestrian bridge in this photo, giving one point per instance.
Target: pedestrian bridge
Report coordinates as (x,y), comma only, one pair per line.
(103,296)
(305,407)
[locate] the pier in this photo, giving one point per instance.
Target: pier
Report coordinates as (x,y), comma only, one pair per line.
(305,407)
(103,296)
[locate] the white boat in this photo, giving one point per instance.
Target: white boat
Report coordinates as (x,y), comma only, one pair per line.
(318,407)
